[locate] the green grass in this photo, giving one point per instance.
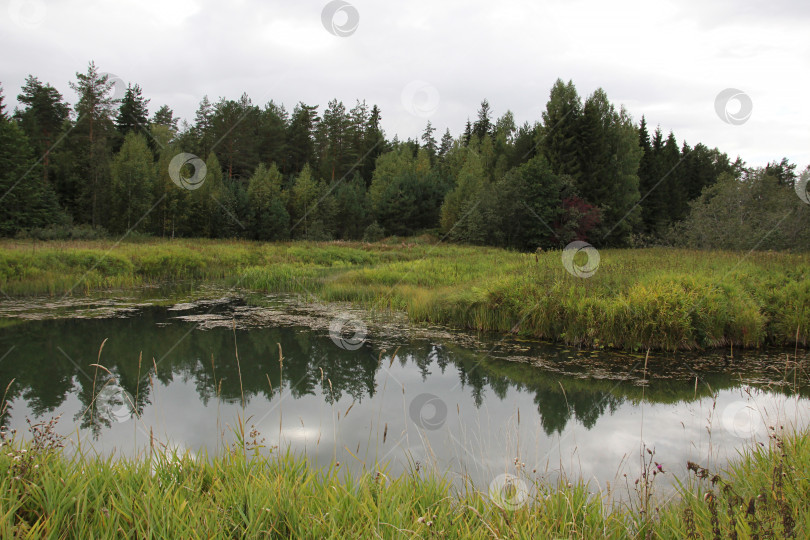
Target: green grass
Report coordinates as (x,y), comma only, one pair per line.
(46,493)
(652,298)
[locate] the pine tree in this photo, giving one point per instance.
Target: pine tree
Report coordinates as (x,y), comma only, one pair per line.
(235,130)
(272,134)
(94,131)
(300,137)
(428,141)
(783,171)
(333,141)
(203,126)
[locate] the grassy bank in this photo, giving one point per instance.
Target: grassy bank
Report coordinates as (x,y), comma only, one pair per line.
(659,298)
(45,493)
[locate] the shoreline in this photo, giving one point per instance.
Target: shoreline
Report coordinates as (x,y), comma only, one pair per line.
(659,299)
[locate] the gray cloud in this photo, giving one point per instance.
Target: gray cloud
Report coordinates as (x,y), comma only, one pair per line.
(667,61)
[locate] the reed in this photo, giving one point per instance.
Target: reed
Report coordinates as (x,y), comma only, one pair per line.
(44,492)
(638,299)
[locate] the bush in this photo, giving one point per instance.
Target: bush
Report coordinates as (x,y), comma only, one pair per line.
(373,233)
(63,232)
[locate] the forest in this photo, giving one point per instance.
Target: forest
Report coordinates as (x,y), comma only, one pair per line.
(586,170)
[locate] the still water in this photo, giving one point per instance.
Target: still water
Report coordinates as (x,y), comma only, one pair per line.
(360,388)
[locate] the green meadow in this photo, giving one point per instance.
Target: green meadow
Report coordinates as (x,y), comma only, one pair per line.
(652,298)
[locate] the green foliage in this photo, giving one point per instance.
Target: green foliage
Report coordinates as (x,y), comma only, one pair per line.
(659,298)
(131,185)
(133,114)
(313,207)
(373,233)
(26,200)
(612,183)
(269,219)
(465,196)
(92,139)
(405,193)
(526,205)
(173,209)
(755,212)
(353,211)
(559,136)
(213,205)
(42,118)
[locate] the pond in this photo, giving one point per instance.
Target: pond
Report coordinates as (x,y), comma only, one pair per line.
(361,388)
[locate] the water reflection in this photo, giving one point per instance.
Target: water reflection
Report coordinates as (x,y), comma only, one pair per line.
(171,371)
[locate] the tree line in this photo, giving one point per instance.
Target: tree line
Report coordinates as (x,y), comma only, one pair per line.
(585,171)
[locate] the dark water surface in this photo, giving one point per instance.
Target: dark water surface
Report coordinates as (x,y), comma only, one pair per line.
(470,406)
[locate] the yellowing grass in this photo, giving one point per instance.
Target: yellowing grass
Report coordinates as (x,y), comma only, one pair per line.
(660,298)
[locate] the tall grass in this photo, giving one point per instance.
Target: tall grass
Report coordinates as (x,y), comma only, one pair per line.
(46,493)
(638,299)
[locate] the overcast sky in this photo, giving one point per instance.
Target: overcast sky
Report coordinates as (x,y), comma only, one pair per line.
(426,59)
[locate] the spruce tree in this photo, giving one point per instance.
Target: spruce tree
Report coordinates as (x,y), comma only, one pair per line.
(133,114)
(26,201)
(42,119)
(483,125)
(446,144)
(559,136)
(467,136)
(164,116)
